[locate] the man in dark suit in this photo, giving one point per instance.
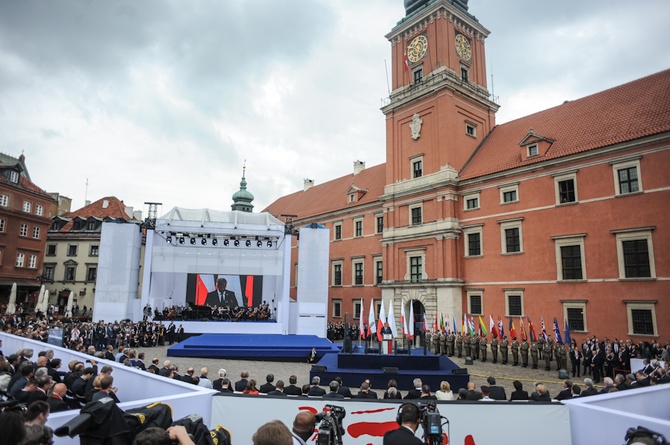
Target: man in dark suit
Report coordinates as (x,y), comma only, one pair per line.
(56,400)
(416,392)
(279,389)
(365,392)
(292,389)
(266,388)
(408,417)
(333,394)
(566,392)
(589,390)
(473,394)
(344,390)
(496,392)
(154,366)
(241,384)
(221,297)
(316,390)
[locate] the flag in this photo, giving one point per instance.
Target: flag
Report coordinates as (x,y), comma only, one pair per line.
(361,321)
(482,328)
(531,330)
(454,329)
(472,325)
(204,284)
(493,327)
(441,322)
(568,340)
(425,323)
(381,320)
(465,324)
(411,321)
(406,61)
(391,318)
(437,324)
(557,332)
(446,323)
(544,330)
(372,327)
(403,320)
(512,329)
(523,329)
(501,327)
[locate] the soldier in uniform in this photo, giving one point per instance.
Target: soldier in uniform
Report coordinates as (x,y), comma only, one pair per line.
(546,353)
(503,349)
(540,347)
(436,342)
(474,346)
(494,349)
(443,343)
(563,353)
(534,354)
(459,344)
(550,342)
(524,353)
(515,352)
(428,341)
(483,344)
(468,346)
(450,344)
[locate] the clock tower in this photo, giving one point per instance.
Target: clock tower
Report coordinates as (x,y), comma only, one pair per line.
(438,113)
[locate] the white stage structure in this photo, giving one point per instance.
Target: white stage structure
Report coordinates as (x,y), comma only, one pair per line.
(313,265)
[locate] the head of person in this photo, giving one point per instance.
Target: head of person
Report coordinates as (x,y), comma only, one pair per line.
(491,380)
(334,386)
(409,415)
(273,433)
(576,390)
(303,425)
(221,284)
(517,385)
(222,373)
(292,380)
(392,384)
(38,434)
(541,389)
(305,388)
(417,383)
(425,390)
(152,436)
(280,385)
(316,380)
(225,383)
(445,386)
(37,412)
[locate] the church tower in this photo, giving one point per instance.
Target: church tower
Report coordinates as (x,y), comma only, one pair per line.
(242,198)
(438,113)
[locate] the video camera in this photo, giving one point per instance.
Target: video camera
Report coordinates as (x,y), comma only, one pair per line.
(431,422)
(330,425)
(13,406)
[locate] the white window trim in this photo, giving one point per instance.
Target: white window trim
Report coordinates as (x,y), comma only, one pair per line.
(353,271)
(32,262)
(509,188)
(576,305)
(341,264)
(511,224)
(357,220)
(20,259)
(469,230)
(336,302)
(36,232)
(338,224)
(411,166)
(39,210)
(408,266)
(564,241)
(377,260)
(471,196)
(644,305)
(474,129)
(376,223)
(412,207)
(4,200)
(514,292)
(27,206)
(561,178)
(357,310)
(530,147)
(479,294)
(632,235)
(622,165)
(14,177)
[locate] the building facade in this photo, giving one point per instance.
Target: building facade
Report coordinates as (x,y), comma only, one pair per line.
(73,246)
(24,220)
(558,214)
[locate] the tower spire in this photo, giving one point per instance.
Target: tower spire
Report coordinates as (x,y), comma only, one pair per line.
(242,198)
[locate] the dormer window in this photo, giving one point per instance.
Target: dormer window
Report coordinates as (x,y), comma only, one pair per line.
(533,150)
(352,197)
(91,225)
(14,177)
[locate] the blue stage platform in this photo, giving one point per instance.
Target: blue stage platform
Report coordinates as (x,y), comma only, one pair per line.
(275,347)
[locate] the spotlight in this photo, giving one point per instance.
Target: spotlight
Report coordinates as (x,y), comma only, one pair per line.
(259,243)
(192,240)
(215,242)
(269,243)
(203,241)
(181,240)
(168,239)
(248,243)
(237,243)
(226,242)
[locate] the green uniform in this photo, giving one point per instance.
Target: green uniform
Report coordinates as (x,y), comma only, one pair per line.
(515,353)
(459,345)
(503,350)
(494,350)
(483,346)
(534,354)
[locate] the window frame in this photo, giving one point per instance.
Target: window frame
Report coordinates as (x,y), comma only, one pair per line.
(14,176)
(3,225)
(470,230)
(635,235)
(337,231)
(72,249)
(49,271)
(581,305)
(37,232)
(413,253)
(355,263)
(23,230)
(411,209)
(357,309)
(417,74)
(20,259)
(91,249)
(465,74)
(379,270)
(557,186)
(335,265)
(514,293)
(4,200)
(509,189)
(379,219)
(475,294)
(568,241)
(27,206)
(507,225)
(641,305)
(616,167)
(470,197)
(470,129)
(414,172)
(337,308)
(48,248)
(358,228)
(39,209)
(32,262)
(73,268)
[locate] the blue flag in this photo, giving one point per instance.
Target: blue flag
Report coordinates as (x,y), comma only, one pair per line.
(567,332)
(557,332)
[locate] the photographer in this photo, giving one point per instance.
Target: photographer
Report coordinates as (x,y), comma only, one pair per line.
(409,418)
(303,427)
(159,436)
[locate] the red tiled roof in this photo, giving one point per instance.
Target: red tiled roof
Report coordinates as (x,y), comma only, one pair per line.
(630,111)
(115,208)
(332,195)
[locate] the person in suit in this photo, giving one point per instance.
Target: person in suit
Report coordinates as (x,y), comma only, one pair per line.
(56,400)
(333,394)
(268,386)
(344,390)
(153,367)
(365,392)
(316,390)
(540,394)
(279,389)
(416,392)
(222,297)
(589,390)
(473,394)
(566,392)
(241,384)
(408,418)
(218,382)
(497,392)
(518,393)
(292,389)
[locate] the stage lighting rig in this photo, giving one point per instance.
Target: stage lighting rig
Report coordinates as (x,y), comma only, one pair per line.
(192,240)
(237,243)
(181,240)
(168,239)
(215,242)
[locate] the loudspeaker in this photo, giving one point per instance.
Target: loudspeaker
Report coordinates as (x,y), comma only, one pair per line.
(563,374)
(372,350)
(346,345)
(468,360)
(319,368)
(459,371)
(401,351)
(390,369)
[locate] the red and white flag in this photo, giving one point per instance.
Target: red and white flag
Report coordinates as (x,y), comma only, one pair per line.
(411,321)
(361,321)
(391,319)
(403,320)
(405,61)
(381,321)
(372,327)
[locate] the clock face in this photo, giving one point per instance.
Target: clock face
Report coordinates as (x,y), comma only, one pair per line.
(417,48)
(463,47)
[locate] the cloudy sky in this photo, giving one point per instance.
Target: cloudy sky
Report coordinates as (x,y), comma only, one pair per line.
(159,100)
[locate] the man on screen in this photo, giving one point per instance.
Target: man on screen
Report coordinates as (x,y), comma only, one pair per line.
(221,297)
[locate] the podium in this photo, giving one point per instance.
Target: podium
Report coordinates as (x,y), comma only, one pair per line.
(387,343)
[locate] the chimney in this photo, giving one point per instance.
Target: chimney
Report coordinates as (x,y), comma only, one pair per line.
(87,202)
(129,211)
(105,203)
(308,184)
(359,166)
(137,215)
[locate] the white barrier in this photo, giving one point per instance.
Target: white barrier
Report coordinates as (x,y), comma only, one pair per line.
(474,423)
(136,388)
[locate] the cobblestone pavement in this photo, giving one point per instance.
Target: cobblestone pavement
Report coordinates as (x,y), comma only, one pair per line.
(479,371)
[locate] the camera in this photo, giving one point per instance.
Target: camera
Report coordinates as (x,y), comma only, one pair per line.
(13,406)
(431,422)
(330,425)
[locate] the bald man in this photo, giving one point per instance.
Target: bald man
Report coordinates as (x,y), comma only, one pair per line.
(56,400)
(303,427)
